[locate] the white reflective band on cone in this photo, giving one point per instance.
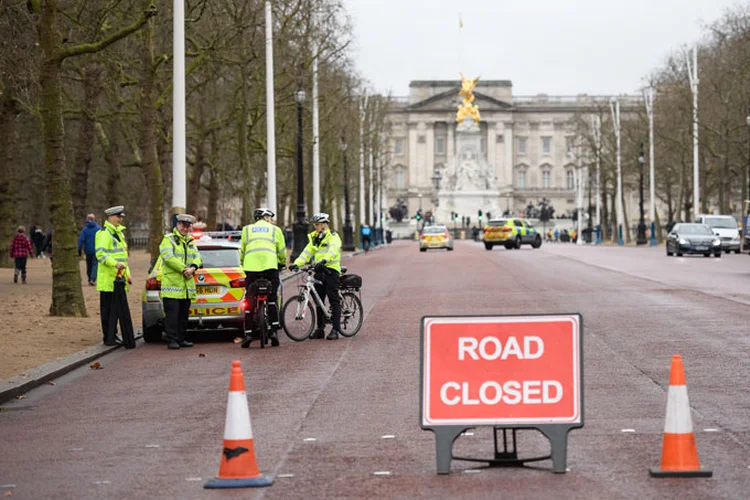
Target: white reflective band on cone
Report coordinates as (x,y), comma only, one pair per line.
(237,425)
(678,419)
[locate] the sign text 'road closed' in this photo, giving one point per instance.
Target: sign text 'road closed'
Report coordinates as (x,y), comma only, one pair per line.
(501,370)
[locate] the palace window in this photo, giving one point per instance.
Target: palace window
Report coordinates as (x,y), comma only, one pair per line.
(546,145)
(521,179)
(570,179)
(398,146)
(521,145)
(399,179)
(440,145)
(546,179)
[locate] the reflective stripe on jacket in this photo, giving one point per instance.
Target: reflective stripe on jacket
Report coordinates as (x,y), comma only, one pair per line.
(177,253)
(262,247)
(328,249)
(111,249)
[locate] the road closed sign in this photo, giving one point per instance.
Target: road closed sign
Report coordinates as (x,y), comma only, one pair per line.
(501,370)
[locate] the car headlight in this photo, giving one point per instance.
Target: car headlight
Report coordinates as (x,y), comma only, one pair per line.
(683,241)
(717,242)
(736,238)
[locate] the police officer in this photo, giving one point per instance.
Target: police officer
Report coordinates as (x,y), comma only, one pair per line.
(324,250)
(181,260)
(263,253)
(112,255)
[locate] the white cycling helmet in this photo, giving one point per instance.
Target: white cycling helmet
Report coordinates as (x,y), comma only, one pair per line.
(262,212)
(320,217)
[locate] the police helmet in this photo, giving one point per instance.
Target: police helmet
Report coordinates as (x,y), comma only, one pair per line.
(320,217)
(263,212)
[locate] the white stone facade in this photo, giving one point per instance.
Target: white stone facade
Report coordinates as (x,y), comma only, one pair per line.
(525,141)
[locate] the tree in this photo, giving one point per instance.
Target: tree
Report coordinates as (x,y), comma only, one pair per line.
(67,295)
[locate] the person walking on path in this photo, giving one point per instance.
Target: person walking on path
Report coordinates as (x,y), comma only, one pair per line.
(20,250)
(87,243)
(324,251)
(181,260)
(112,255)
(263,254)
(37,236)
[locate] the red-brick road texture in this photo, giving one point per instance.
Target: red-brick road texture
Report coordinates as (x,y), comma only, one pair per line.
(340,419)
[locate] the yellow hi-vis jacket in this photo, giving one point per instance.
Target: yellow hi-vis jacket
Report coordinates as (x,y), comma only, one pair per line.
(262,247)
(111,249)
(328,249)
(177,253)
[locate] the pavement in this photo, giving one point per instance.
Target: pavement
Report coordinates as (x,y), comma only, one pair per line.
(21,384)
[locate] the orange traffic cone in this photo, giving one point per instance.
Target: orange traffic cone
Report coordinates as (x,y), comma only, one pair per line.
(679,456)
(238,468)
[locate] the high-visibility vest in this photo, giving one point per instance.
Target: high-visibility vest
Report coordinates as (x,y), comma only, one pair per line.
(328,249)
(111,249)
(177,253)
(262,247)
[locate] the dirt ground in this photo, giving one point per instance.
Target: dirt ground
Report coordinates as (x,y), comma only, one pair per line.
(30,337)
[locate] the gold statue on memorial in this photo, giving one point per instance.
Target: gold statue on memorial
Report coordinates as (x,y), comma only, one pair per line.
(467,108)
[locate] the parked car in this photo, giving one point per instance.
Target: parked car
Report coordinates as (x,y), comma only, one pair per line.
(693,238)
(725,227)
(220,288)
(435,237)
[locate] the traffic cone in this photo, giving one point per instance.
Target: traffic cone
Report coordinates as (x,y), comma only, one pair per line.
(679,456)
(238,467)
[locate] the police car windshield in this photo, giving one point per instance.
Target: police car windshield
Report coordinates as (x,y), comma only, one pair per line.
(434,230)
(220,257)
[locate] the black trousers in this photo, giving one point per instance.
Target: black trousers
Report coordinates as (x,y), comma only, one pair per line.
(176,312)
(271,275)
(107,308)
(105,311)
(20,263)
(329,288)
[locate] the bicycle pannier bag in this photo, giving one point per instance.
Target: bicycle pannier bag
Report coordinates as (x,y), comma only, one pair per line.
(351,281)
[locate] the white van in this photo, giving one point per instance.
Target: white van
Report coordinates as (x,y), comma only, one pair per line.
(725,227)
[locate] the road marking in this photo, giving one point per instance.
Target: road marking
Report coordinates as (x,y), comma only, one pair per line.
(567,469)
(102,482)
(13,485)
(467,433)
(628,431)
(382,473)
(193,479)
(153,446)
(309,440)
(285,475)
(711,429)
(472,471)
(387,436)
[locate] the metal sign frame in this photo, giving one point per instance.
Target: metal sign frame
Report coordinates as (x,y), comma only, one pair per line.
(556,433)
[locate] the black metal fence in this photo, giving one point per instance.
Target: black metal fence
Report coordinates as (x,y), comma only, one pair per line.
(138,243)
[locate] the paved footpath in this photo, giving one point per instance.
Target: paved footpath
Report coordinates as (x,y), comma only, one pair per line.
(339,419)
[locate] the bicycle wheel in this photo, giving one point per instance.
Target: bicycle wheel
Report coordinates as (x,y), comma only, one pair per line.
(298,318)
(262,325)
(351,314)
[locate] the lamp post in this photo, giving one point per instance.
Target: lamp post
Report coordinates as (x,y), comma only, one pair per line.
(436,178)
(348,244)
(745,188)
(641,239)
(300,224)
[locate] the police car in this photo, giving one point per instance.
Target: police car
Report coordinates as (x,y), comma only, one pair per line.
(510,233)
(435,237)
(220,289)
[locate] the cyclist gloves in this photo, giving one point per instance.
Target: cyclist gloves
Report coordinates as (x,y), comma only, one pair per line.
(320,266)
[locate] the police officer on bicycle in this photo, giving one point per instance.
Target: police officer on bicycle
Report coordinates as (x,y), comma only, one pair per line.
(263,253)
(324,251)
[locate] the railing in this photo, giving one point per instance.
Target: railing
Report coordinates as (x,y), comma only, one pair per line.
(138,243)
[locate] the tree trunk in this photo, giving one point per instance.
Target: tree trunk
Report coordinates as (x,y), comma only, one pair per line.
(67,294)
(84,153)
(149,157)
(110,145)
(8,181)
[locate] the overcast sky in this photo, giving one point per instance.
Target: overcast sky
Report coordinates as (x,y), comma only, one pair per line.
(558,47)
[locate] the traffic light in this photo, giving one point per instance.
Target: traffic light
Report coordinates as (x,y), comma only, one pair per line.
(479,215)
(419,215)
(489,216)
(455,217)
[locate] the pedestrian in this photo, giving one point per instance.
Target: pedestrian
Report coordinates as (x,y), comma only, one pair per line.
(87,244)
(263,254)
(20,250)
(324,251)
(38,237)
(475,233)
(112,255)
(47,245)
(181,260)
(366,235)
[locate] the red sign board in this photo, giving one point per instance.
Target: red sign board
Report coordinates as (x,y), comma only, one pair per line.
(501,370)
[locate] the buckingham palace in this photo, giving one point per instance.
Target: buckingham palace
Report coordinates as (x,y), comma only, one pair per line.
(522,149)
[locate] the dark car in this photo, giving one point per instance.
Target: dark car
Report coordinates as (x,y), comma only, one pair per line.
(693,238)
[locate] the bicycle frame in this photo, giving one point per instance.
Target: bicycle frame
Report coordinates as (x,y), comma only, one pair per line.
(308,289)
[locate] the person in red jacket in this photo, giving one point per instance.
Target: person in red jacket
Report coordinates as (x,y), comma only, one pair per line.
(20,250)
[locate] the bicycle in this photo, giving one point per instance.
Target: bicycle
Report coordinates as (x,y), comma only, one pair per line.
(259,291)
(298,316)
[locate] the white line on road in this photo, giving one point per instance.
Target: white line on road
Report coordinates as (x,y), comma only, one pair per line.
(284,475)
(7,485)
(472,471)
(153,446)
(467,433)
(711,430)
(387,436)
(102,482)
(382,473)
(193,479)
(628,430)
(310,440)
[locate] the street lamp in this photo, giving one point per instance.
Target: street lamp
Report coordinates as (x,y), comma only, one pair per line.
(348,244)
(641,238)
(436,178)
(300,224)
